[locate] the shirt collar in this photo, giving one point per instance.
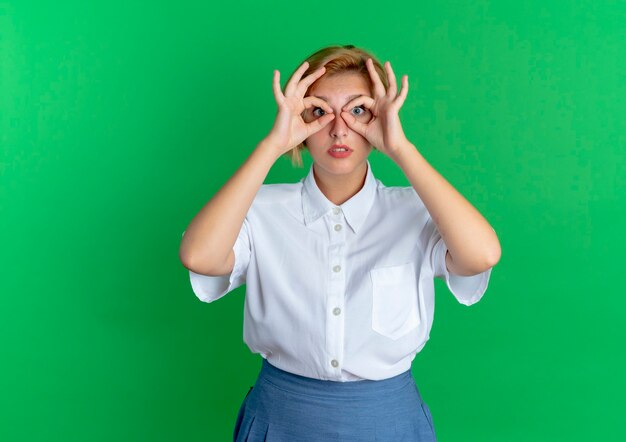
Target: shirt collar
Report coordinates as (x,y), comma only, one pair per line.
(315,204)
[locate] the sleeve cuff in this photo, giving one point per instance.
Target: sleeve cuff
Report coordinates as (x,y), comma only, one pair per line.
(467,290)
(210,288)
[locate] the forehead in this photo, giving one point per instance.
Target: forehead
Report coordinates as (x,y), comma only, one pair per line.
(340,85)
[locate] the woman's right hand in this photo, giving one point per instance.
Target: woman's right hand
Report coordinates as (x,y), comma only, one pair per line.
(290,129)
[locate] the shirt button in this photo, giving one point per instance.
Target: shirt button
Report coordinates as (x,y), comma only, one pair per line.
(334,363)
(336,210)
(336,311)
(336,269)
(337,227)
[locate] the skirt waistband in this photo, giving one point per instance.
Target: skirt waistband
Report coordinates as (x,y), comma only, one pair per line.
(363,389)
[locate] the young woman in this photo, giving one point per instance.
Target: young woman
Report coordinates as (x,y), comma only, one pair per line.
(338,267)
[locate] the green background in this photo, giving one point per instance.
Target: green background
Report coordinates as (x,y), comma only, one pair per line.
(118,121)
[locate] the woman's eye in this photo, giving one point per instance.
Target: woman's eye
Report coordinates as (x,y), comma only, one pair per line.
(315,112)
(361,110)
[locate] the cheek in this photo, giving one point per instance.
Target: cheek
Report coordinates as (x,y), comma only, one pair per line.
(319,135)
(363,139)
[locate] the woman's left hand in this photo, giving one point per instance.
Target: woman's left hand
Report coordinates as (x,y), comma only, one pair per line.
(384,130)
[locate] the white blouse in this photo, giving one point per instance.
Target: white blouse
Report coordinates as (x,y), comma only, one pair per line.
(338,293)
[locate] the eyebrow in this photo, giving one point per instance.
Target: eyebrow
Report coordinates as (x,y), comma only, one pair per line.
(349,98)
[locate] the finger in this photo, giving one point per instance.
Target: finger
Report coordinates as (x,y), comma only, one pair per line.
(393,87)
(352,122)
(318,124)
(311,101)
(379,87)
(403,92)
(295,78)
(307,81)
(278,94)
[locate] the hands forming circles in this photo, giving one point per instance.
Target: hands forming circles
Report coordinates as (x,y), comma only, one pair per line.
(289,128)
(383,131)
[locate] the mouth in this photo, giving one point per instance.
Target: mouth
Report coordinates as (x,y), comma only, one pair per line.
(339,148)
(339,151)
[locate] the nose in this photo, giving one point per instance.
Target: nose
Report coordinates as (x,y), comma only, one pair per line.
(338,127)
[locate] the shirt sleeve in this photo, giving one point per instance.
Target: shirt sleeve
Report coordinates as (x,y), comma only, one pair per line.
(467,290)
(210,288)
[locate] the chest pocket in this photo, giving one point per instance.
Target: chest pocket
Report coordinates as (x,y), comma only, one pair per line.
(394,300)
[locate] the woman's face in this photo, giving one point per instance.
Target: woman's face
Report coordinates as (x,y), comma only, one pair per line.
(337,91)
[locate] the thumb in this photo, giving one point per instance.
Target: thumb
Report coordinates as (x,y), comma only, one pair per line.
(318,124)
(352,122)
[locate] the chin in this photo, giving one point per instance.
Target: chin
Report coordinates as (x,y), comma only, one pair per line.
(341,166)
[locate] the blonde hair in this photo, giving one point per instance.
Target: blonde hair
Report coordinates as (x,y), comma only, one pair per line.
(337,59)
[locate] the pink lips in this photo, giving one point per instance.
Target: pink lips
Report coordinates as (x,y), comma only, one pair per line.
(339,154)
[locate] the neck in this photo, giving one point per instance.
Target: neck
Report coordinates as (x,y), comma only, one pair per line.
(339,189)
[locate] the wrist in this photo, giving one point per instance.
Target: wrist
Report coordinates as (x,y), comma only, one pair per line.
(404,148)
(269,145)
